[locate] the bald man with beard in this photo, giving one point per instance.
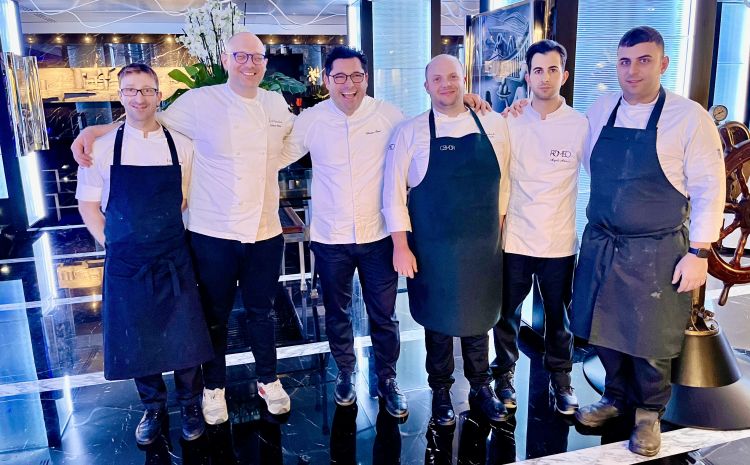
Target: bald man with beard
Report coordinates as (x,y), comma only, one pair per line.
(238,130)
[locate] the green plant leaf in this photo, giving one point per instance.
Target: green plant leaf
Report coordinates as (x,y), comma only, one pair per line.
(179,76)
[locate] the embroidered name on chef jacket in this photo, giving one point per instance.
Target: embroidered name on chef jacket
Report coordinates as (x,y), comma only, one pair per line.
(561,156)
(274,123)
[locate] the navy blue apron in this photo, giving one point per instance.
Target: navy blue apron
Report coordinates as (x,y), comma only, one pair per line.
(152,316)
(623,296)
(456,236)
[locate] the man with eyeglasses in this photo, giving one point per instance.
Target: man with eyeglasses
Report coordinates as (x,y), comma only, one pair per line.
(238,130)
(152,318)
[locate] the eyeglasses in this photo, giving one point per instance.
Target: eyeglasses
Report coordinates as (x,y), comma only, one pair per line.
(242,57)
(131,92)
(341,78)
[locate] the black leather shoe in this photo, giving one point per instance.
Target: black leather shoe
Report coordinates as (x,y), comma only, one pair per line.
(442,408)
(505,390)
(395,401)
(344,394)
(566,401)
(150,426)
(193,425)
(484,400)
(646,437)
(597,414)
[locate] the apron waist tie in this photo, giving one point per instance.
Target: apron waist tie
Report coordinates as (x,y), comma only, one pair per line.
(618,238)
(147,272)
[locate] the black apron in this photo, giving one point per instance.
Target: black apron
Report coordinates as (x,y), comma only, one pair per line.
(623,296)
(152,316)
(456,236)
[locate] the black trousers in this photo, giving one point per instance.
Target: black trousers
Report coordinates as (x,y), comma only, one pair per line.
(636,382)
(374,261)
(219,265)
(555,277)
(440,364)
(153,391)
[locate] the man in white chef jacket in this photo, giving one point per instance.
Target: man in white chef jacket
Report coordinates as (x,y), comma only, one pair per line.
(547,142)
(238,130)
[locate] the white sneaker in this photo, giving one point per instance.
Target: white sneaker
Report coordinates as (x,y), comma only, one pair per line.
(214,406)
(275,396)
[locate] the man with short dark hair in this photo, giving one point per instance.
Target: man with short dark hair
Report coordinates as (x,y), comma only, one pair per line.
(347,136)
(546,144)
(152,318)
(655,162)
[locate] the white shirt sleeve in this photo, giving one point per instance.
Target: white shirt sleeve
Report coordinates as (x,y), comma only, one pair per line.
(90,180)
(181,115)
(397,161)
(705,180)
(295,144)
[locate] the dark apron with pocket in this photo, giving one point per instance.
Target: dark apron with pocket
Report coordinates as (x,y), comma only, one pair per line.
(152,315)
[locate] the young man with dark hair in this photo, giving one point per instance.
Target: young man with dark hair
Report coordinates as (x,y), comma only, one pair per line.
(546,145)
(152,317)
(656,165)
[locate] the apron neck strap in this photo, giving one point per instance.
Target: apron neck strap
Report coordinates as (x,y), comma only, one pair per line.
(655,113)
(117,160)
(172,148)
(473,115)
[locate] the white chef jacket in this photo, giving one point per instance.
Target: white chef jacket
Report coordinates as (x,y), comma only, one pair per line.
(409,155)
(234,192)
(546,155)
(689,151)
(139,149)
(348,160)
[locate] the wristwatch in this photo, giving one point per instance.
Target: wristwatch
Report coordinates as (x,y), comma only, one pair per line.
(700,253)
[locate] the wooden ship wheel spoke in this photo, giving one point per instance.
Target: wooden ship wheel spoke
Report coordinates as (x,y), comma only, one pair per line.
(728,262)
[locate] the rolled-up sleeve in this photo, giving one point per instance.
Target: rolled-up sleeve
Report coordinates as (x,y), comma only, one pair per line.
(90,182)
(397,161)
(706,180)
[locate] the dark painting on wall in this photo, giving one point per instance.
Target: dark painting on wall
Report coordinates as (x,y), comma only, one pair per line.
(498,41)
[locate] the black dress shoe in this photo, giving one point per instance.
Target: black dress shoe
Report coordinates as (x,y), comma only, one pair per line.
(484,400)
(150,426)
(566,401)
(505,390)
(395,401)
(344,394)
(193,425)
(442,408)
(598,413)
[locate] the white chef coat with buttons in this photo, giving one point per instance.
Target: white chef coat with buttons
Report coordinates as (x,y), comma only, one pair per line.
(138,149)
(234,193)
(689,151)
(348,161)
(409,155)
(546,155)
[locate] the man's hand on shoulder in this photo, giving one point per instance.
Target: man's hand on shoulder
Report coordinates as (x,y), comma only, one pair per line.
(516,108)
(477,104)
(83,145)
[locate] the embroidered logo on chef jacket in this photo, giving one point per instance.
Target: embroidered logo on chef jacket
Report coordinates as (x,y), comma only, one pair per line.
(560,156)
(391,146)
(274,123)
(447,148)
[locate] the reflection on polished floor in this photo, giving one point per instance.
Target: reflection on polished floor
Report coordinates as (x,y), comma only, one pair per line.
(55,407)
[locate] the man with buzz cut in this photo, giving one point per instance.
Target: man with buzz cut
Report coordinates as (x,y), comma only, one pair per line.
(152,317)
(657,203)
(546,144)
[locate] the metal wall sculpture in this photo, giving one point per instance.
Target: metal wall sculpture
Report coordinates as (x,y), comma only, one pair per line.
(25,101)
